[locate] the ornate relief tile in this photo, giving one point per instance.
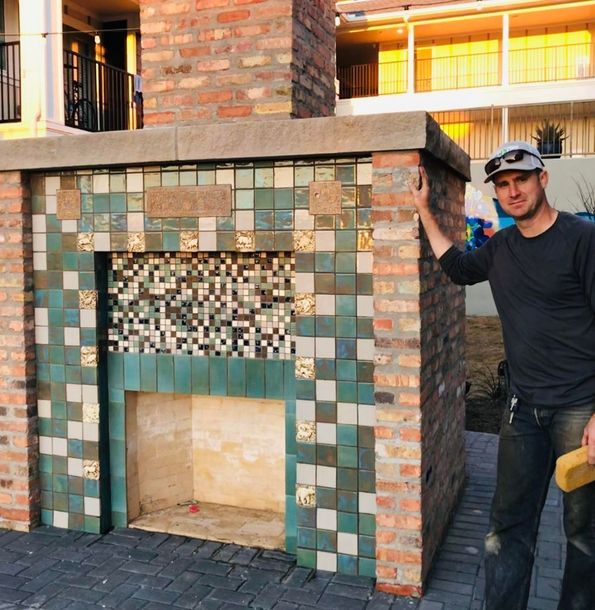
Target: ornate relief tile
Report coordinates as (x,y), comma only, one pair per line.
(91,470)
(68,204)
(90,412)
(305,368)
(245,241)
(305,495)
(85,242)
(87,299)
(136,242)
(304,241)
(365,242)
(305,432)
(305,304)
(189,241)
(88,355)
(325,197)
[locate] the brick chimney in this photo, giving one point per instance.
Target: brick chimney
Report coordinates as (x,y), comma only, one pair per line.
(226,60)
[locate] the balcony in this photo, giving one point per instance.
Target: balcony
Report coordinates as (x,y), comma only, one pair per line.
(10,82)
(98,97)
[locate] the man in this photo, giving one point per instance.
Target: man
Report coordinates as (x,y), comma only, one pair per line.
(542,275)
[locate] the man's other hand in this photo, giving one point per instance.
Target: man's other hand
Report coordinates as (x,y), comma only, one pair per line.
(589,440)
(421,195)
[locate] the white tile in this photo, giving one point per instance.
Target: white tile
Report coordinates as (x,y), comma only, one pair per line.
(283,177)
(365,306)
(70,280)
(326,476)
(225,176)
(305,474)
(73,392)
(75,467)
(304,282)
(325,304)
(346,413)
(44,408)
(365,261)
(75,430)
(208,223)
(244,220)
(72,336)
(101,183)
(39,242)
(303,220)
(45,445)
(325,241)
(326,561)
(59,446)
(326,519)
(92,507)
(60,519)
(90,431)
(41,316)
(326,433)
(346,543)
(366,415)
(136,221)
(69,226)
(134,182)
(38,222)
(42,335)
(367,503)
(365,349)
(364,174)
(325,346)
(326,389)
(51,204)
(207,241)
(88,318)
(40,261)
(305,410)
(304,346)
(52,184)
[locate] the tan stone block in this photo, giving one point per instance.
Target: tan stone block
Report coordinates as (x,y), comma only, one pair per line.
(304,241)
(305,368)
(305,432)
(305,304)
(189,241)
(325,197)
(89,356)
(68,204)
(85,242)
(365,241)
(91,470)
(189,201)
(305,495)
(87,299)
(136,242)
(245,241)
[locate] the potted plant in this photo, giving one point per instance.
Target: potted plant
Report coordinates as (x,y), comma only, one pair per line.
(549,138)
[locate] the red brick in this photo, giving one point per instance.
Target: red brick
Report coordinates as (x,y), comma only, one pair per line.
(231,16)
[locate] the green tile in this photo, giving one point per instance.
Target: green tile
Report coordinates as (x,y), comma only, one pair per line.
(304,262)
(73,374)
(365,393)
(289,379)
(324,283)
(324,262)
(325,326)
(346,391)
(347,501)
(347,522)
(75,449)
(165,373)
(92,525)
(118,494)
(115,370)
(365,328)
(263,199)
(346,369)
(118,203)
(75,503)
(182,374)
(365,371)
(367,546)
(305,326)
(367,480)
(306,517)
(347,564)
(326,541)
(236,377)
(346,326)
(346,349)
(60,483)
(306,558)
(283,198)
(264,241)
(244,200)
(274,379)
(367,524)
(326,498)
(367,567)
(60,502)
(290,474)
(153,242)
(326,412)
(255,386)
(345,241)
(117,421)
(347,435)
(131,371)
(305,389)
(284,241)
(347,479)
(325,368)
(347,456)
(345,283)
(148,372)
(218,376)
(57,373)
(364,283)
(89,375)
(326,455)
(171,241)
(345,305)
(200,375)
(306,454)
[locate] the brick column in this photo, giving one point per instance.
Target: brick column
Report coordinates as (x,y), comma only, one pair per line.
(19,485)
(419,377)
(222,60)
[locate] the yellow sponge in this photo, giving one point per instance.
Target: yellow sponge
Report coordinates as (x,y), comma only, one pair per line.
(572,470)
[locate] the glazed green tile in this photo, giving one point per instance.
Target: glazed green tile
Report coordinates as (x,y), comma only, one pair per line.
(188,224)
(60,501)
(117,421)
(306,558)
(170,178)
(119,242)
(236,377)
(347,564)
(306,454)
(171,241)
(86,261)
(244,200)
(134,202)
(326,541)
(345,283)
(101,203)
(325,368)
(326,412)
(225,223)
(263,199)
(118,494)
(367,546)
(92,525)
(306,517)
(148,372)
(58,409)
(58,391)
(365,328)
(90,450)
(290,472)
(255,385)
(347,220)
(75,448)
(182,374)
(86,282)
(131,363)
(365,393)
(366,458)
(365,371)
(60,483)
(274,379)
(38,204)
(304,262)
(346,369)
(89,375)
(47,517)
(346,326)
(364,196)
(91,488)
(52,224)
(76,521)
(347,456)
(345,305)
(346,391)
(117,458)
(53,262)
(283,220)
(116,395)
(75,485)
(165,373)
(73,374)
(75,503)
(345,261)
(118,203)
(264,241)
(55,298)
(152,224)
(326,498)
(364,283)
(325,326)
(289,379)
(44,391)
(367,524)
(283,198)
(346,348)
(305,326)
(153,242)
(115,370)
(263,220)
(43,371)
(200,375)
(42,353)
(345,241)
(347,434)
(324,283)
(45,481)
(226,241)
(44,426)
(55,335)
(326,455)
(324,262)
(365,436)
(74,411)
(364,218)
(218,376)
(283,241)
(347,522)
(45,465)
(301,197)
(170,224)
(71,317)
(347,479)
(367,480)
(47,499)
(305,389)
(324,221)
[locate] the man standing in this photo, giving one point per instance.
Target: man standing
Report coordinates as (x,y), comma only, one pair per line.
(542,275)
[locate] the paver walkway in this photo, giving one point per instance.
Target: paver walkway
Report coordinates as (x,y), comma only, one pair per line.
(53,569)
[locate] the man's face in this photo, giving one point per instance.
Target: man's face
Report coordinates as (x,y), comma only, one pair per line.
(520,193)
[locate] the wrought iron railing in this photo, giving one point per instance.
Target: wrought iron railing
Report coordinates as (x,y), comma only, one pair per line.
(98,97)
(10,82)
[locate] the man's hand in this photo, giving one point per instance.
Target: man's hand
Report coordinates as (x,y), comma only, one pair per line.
(589,440)
(421,195)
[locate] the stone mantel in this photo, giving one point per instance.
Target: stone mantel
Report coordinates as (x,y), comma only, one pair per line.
(289,138)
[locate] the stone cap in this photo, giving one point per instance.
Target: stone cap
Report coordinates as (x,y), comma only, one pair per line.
(278,139)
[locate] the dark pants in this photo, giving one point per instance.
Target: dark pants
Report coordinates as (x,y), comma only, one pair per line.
(527,453)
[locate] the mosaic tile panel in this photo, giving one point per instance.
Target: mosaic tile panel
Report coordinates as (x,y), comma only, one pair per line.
(229,304)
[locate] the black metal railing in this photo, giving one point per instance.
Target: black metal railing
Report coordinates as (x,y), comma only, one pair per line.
(10,82)
(98,97)
(365,80)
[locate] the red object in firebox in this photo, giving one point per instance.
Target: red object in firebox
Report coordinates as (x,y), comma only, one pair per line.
(193,508)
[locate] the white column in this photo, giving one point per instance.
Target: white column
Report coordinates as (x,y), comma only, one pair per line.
(42,82)
(410,58)
(505,49)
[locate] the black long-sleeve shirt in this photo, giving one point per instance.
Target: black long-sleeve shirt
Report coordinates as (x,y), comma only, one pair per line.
(544,290)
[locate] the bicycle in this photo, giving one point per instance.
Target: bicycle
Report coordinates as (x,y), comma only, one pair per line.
(80,111)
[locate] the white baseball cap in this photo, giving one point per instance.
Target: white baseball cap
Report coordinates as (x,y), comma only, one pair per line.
(517,155)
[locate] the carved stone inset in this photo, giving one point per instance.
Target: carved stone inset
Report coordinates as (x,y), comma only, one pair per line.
(189,201)
(88,355)
(85,242)
(90,413)
(136,242)
(68,204)
(365,242)
(91,470)
(305,432)
(305,304)
(87,299)
(245,241)
(304,241)
(305,495)
(305,368)
(189,241)
(325,197)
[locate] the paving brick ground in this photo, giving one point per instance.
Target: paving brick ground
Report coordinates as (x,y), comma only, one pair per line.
(52,569)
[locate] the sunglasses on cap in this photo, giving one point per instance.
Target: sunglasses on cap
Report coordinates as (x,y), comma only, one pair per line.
(508,157)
